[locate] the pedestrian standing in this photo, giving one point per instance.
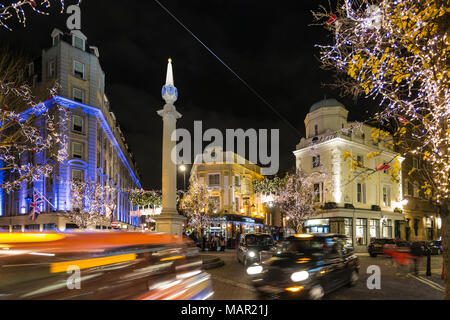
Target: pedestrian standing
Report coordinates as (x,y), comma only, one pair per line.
(416,252)
(222,244)
(214,243)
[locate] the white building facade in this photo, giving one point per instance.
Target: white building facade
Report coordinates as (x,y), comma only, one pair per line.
(359,206)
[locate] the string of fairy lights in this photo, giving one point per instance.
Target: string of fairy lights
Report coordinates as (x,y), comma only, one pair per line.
(21,138)
(397,51)
(18,9)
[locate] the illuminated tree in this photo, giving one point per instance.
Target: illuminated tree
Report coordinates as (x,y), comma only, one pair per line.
(143,198)
(269,185)
(397,51)
(298,199)
(18,10)
(198,207)
(28,127)
(92,203)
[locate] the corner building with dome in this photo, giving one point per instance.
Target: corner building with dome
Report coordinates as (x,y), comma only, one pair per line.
(359,208)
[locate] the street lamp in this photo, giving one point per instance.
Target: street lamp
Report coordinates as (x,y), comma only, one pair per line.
(183,169)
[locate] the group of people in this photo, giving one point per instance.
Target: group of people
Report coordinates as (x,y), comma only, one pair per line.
(211,242)
(215,243)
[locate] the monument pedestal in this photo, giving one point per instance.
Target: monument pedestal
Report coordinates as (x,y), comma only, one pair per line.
(170,222)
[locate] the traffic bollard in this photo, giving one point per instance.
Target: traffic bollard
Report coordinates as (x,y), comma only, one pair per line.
(429,263)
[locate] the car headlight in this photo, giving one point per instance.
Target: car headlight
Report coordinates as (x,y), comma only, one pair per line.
(254,270)
(299,276)
(251,254)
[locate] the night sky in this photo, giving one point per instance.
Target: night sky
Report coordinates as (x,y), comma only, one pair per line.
(269,44)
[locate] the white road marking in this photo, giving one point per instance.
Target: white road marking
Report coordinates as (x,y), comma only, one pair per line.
(428,282)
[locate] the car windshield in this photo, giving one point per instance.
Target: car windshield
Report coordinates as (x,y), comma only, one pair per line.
(303,246)
(259,240)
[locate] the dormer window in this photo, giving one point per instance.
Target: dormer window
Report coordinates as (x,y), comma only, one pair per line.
(78,42)
(316,130)
(31,69)
(56,39)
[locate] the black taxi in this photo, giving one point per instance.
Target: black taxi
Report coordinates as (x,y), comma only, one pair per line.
(306,266)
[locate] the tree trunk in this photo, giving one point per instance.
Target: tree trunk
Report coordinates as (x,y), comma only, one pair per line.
(445,216)
(299,228)
(202,240)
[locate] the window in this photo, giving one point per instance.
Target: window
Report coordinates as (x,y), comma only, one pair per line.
(50,226)
(348,230)
(78,69)
(410,189)
(78,95)
(318,191)
(416,190)
(31,69)
(214,203)
(77,175)
(315,161)
(374,228)
(77,150)
(360,160)
(416,227)
(387,228)
(386,196)
(238,203)
(361,192)
(78,124)
(78,42)
(214,179)
(415,163)
(361,230)
(237,182)
(32,227)
(56,39)
(51,69)
(316,130)
(49,180)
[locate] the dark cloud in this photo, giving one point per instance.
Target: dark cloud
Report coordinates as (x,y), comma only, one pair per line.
(269,44)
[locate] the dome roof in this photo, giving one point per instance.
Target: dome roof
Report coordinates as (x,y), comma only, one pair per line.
(326,103)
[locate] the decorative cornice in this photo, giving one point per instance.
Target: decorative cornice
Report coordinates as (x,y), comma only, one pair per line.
(99,114)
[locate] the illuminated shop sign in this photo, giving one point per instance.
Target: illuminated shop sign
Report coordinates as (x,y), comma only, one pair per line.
(316,222)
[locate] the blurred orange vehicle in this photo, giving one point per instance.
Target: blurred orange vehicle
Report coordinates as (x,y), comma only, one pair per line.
(101,266)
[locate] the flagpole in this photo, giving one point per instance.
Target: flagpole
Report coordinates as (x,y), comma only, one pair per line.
(44,198)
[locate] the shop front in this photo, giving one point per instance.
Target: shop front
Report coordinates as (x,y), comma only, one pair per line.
(231,226)
(360,227)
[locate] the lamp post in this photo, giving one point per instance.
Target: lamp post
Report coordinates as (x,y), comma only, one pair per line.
(183,169)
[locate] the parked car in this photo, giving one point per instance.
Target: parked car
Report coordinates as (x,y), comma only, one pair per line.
(422,246)
(436,247)
(101,266)
(377,245)
(306,266)
(255,247)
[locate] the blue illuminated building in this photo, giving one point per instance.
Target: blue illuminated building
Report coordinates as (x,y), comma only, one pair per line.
(97,147)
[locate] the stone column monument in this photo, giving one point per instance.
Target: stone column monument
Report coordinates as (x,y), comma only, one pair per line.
(169,221)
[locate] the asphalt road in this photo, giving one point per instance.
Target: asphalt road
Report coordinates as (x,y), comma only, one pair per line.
(231,282)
